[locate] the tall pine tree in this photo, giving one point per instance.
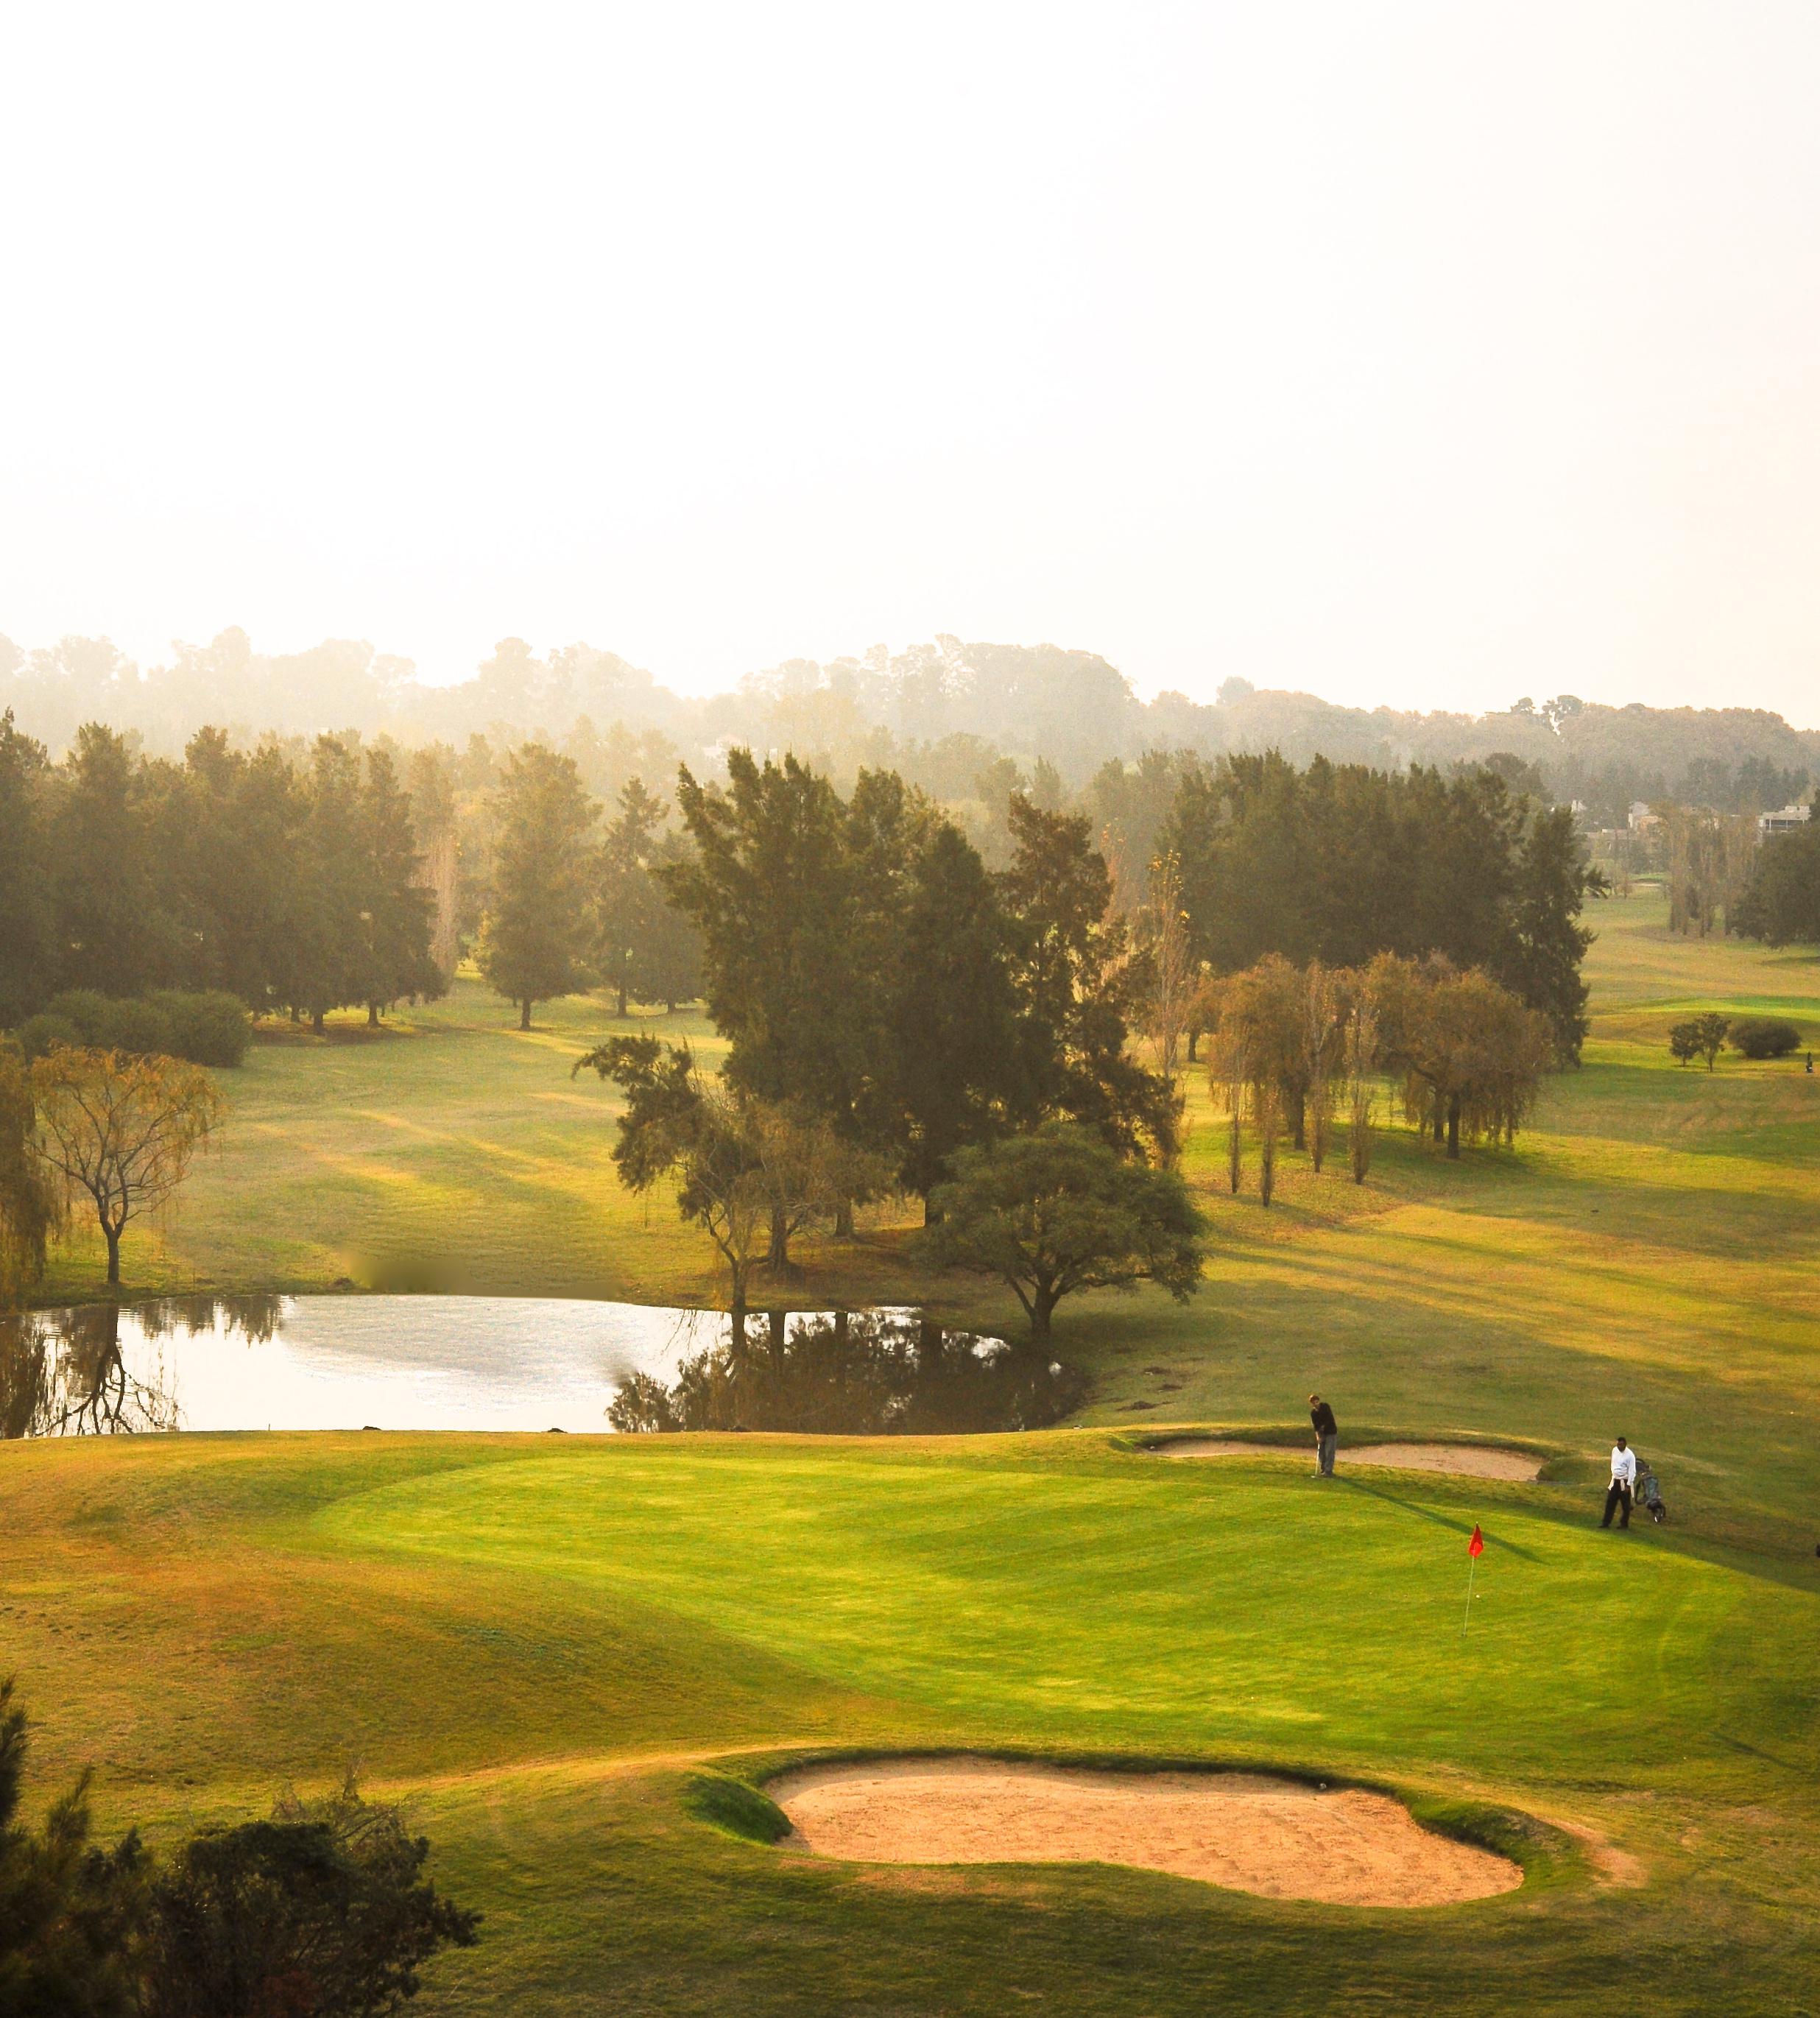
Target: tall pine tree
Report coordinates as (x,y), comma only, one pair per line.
(534,938)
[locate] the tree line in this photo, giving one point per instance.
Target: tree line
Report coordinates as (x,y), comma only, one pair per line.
(1022,705)
(292,888)
(300,880)
(1338,863)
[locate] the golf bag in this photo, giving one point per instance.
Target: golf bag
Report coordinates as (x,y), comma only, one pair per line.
(1649,1495)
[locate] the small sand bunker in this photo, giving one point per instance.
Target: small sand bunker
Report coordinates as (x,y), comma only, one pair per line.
(1278,1838)
(1467,1460)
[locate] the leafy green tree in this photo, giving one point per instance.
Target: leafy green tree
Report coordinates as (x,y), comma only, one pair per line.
(1781,901)
(770,886)
(326,955)
(1075,988)
(672,969)
(109,920)
(696,1131)
(1698,1037)
(393,955)
(28,931)
(950,1011)
(1542,955)
(1059,1211)
(533,941)
(856,955)
(236,859)
(1340,862)
(630,902)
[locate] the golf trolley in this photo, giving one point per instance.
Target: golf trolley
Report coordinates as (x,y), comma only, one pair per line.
(1649,1495)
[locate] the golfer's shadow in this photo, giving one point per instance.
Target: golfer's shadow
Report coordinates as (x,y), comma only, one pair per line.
(1428,1514)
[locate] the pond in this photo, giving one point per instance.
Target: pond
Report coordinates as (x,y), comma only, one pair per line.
(324,1362)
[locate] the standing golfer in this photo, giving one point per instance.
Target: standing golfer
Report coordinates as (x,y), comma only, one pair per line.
(1618,1494)
(1326,1434)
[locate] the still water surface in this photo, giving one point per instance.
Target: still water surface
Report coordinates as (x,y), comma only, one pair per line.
(507,1363)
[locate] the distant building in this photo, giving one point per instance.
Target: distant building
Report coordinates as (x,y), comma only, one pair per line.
(1642,819)
(1785,822)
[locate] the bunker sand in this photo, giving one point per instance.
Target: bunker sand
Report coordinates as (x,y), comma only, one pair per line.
(1465,1460)
(1279,1839)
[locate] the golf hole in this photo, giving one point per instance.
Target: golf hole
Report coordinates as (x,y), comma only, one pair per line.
(1251,1833)
(1465,1460)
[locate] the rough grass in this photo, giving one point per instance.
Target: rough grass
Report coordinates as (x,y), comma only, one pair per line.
(547,1645)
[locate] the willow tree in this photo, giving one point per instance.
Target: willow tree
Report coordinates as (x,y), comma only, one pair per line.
(30,1205)
(1362,1063)
(1472,1054)
(121,1131)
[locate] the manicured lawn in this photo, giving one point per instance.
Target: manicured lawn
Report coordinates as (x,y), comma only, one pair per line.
(533,1638)
(538,1639)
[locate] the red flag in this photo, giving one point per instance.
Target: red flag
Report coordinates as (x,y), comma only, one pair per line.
(1477,1545)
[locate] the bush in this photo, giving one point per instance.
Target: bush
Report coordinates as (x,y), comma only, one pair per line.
(323,1910)
(111,1023)
(1765,1036)
(43,1033)
(206,1027)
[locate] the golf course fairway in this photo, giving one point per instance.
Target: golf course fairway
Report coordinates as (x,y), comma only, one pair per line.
(559,1652)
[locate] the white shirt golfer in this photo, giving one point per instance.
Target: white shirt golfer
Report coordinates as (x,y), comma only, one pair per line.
(1623,1465)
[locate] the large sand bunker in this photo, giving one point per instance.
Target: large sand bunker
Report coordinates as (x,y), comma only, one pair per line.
(1468,1460)
(1281,1838)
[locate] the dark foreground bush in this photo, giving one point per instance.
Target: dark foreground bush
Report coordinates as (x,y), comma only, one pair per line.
(1764,1037)
(71,1914)
(206,1027)
(321,1912)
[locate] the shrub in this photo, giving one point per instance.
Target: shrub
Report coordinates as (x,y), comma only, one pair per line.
(111,1023)
(1765,1036)
(209,1027)
(323,1910)
(205,1027)
(44,1032)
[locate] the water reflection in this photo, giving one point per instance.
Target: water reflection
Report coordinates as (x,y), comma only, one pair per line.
(851,1373)
(507,1363)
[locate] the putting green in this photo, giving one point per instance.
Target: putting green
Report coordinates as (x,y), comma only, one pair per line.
(538,1639)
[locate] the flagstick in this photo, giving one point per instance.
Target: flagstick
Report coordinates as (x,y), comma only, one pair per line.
(1471,1572)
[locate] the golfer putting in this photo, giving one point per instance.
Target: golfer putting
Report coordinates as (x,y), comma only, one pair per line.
(1326,1436)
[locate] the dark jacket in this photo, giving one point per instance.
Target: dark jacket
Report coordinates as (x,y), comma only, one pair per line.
(1322,1416)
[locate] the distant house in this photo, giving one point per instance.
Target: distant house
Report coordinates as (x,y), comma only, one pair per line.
(1642,819)
(1785,822)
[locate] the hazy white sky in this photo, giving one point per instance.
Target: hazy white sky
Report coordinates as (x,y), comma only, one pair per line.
(1431,354)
